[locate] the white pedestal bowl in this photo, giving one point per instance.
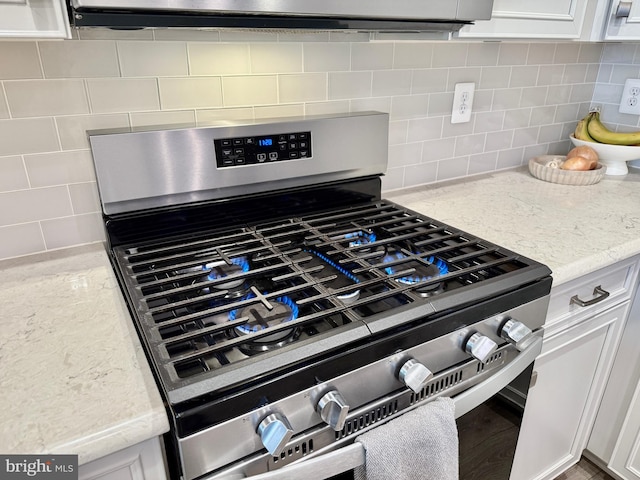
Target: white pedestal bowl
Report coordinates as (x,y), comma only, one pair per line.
(615,157)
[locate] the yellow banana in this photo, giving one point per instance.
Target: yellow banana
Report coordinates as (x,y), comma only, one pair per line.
(582,129)
(602,134)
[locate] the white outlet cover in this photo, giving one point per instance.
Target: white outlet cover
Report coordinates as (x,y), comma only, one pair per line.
(630,101)
(462,102)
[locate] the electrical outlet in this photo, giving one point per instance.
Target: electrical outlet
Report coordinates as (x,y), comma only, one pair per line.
(630,101)
(462,102)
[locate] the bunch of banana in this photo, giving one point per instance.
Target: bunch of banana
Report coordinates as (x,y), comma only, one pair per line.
(591,129)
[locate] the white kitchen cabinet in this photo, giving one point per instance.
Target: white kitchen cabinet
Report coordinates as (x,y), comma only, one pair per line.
(143,461)
(34,19)
(541,19)
(571,372)
(623,27)
(615,439)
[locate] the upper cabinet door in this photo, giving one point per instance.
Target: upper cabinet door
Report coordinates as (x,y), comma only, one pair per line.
(34,19)
(623,21)
(543,19)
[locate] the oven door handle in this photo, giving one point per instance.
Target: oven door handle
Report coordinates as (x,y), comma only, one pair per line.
(347,458)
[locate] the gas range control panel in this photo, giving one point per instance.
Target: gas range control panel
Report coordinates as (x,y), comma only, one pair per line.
(238,151)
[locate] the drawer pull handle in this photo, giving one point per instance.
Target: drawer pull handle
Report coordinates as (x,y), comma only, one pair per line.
(598,292)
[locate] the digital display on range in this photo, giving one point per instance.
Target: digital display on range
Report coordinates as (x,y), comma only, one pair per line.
(237,151)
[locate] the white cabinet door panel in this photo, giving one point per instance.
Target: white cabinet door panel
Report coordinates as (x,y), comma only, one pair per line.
(34,19)
(546,19)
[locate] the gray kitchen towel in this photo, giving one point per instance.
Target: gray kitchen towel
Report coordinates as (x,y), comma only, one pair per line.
(419,445)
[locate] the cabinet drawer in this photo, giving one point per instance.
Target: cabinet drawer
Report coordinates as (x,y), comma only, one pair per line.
(592,292)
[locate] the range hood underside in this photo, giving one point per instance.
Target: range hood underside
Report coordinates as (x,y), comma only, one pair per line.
(129,19)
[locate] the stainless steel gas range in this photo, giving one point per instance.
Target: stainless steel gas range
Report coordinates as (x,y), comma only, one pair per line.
(285,308)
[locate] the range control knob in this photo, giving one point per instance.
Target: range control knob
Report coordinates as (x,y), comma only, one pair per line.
(414,375)
(275,432)
(480,347)
(516,333)
(333,409)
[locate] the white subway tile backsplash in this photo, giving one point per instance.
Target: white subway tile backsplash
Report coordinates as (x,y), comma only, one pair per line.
(219,58)
(510,158)
(73,129)
(305,87)
(412,55)
(482,162)
(542,115)
(467,74)
(489,121)
(217,116)
(84,198)
(150,59)
(620,73)
(524,76)
(190,92)
(4,109)
(14,175)
(37,98)
(371,56)
(618,53)
(247,91)
(81,59)
(276,58)
(30,135)
(405,154)
(59,168)
(438,149)
(349,85)
(495,77)
(528,99)
(326,108)
(499,140)
(525,136)
(276,111)
(19,60)
(541,53)
(409,106)
(567,53)
(391,82)
(378,104)
(76,230)
(429,81)
(468,144)
(420,174)
(123,95)
(23,239)
(141,121)
(506,98)
(513,53)
(450,55)
(22,206)
(424,129)
(327,57)
(453,168)
(550,75)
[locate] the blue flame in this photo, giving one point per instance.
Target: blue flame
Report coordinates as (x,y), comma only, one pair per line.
(333,264)
(361,238)
(442,266)
(213,275)
(233,314)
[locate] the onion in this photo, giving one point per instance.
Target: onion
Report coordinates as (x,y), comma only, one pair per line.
(585,152)
(576,163)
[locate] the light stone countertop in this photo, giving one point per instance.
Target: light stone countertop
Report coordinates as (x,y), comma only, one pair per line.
(574,230)
(74,379)
(73,376)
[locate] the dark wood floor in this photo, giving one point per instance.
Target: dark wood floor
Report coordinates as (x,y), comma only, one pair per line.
(584,470)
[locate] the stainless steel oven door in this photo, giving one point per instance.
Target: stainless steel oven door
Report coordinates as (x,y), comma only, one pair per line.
(501,387)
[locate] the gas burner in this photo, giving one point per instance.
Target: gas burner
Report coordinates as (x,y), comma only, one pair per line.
(283,310)
(346,298)
(362,239)
(435,268)
(223,269)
